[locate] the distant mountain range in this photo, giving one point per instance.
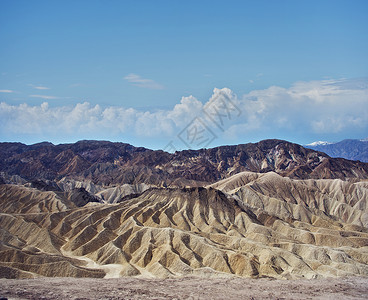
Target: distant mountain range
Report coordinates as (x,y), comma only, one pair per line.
(108,163)
(349,149)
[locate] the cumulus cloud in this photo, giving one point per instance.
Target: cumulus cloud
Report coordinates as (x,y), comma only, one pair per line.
(306,108)
(137,80)
(185,111)
(315,107)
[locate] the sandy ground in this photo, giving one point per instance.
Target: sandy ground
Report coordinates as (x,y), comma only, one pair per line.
(183,288)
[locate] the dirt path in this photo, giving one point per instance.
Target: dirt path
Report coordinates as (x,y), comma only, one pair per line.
(183,288)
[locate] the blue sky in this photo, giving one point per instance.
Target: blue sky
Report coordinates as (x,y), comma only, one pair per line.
(141,71)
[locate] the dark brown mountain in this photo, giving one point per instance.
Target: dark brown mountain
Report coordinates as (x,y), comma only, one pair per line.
(109,163)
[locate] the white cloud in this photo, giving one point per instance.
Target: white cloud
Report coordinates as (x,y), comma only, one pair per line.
(44,97)
(315,107)
(41,88)
(137,80)
(6,91)
(306,108)
(185,111)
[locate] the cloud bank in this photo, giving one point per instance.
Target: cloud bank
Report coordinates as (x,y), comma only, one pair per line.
(315,108)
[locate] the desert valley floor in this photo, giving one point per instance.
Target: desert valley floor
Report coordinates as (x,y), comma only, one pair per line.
(191,288)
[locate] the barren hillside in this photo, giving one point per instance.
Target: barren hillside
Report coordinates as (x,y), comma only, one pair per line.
(248,224)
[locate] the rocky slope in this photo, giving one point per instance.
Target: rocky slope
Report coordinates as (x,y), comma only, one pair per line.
(279,210)
(263,225)
(106,163)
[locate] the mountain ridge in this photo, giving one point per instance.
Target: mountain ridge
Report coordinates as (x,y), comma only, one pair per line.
(352,149)
(109,163)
